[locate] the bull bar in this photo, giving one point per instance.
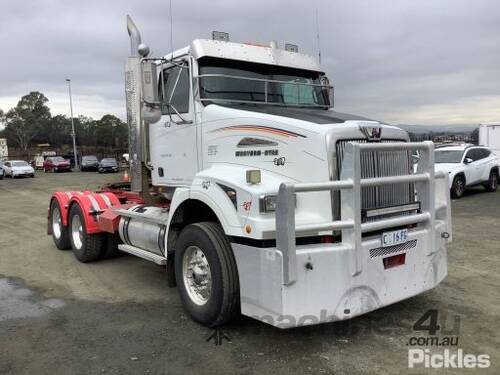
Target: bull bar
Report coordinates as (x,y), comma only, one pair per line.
(350,223)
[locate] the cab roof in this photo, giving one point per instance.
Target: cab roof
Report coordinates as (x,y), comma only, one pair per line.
(248,52)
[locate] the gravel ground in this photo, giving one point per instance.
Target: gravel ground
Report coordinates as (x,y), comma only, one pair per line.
(59,316)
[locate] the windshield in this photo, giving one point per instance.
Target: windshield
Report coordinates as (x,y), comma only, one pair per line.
(19,164)
(58,159)
(108,161)
(244,82)
(448,156)
(89,158)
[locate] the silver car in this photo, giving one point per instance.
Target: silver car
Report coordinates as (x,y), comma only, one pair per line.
(18,168)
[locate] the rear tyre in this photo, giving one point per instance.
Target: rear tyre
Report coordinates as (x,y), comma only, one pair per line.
(60,233)
(458,187)
(86,247)
(206,274)
(492,183)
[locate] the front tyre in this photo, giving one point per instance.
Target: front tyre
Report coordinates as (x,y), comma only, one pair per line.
(492,183)
(206,274)
(86,247)
(458,187)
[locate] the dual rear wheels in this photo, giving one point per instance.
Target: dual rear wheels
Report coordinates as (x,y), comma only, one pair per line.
(86,247)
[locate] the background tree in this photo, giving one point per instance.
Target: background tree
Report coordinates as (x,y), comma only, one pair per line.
(27,119)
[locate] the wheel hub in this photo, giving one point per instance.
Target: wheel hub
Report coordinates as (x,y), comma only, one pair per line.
(77,231)
(196,275)
(56,222)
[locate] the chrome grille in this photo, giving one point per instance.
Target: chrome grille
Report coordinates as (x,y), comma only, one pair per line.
(378,164)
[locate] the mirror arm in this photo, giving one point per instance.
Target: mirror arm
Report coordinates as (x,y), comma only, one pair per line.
(183,120)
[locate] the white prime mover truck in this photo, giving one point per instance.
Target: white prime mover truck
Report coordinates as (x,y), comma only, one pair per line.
(257,196)
(489,136)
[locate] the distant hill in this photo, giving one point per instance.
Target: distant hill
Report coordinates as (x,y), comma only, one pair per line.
(438,128)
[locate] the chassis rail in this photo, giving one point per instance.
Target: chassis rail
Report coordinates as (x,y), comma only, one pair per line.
(350,185)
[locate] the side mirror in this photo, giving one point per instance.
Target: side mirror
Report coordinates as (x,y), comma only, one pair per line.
(468,160)
(149,82)
(151,112)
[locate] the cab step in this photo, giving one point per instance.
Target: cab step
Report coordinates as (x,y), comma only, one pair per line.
(144,254)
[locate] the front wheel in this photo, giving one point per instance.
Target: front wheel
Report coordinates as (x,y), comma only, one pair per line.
(492,183)
(458,187)
(206,274)
(86,247)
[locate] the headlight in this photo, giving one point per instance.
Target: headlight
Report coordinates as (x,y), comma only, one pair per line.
(267,203)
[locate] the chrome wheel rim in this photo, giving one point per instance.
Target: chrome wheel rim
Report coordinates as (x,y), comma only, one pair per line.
(460,187)
(196,275)
(77,231)
(56,222)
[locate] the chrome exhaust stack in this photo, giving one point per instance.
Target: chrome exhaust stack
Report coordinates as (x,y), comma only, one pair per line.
(138,139)
(135,37)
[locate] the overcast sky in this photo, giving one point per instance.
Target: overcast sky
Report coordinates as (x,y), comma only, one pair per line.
(400,61)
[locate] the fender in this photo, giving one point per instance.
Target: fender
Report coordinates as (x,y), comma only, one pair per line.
(92,205)
(63,198)
(226,213)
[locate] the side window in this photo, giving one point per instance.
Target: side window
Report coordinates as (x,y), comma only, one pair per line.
(471,154)
(175,89)
(485,153)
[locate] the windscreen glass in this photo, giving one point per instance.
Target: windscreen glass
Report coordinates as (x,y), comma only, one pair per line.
(448,156)
(246,82)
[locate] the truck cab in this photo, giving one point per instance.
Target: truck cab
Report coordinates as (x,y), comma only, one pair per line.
(268,201)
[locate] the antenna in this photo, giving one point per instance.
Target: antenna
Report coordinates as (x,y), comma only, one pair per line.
(171,30)
(317,36)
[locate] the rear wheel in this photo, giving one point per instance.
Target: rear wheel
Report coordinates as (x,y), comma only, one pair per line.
(206,274)
(60,233)
(86,247)
(458,187)
(492,183)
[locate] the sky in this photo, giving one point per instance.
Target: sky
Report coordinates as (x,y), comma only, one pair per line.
(399,61)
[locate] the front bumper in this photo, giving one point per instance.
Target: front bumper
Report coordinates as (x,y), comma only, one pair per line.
(108,169)
(325,290)
(23,174)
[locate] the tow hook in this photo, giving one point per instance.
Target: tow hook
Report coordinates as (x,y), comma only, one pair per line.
(445,235)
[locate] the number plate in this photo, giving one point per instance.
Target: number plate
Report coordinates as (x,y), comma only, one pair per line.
(395,237)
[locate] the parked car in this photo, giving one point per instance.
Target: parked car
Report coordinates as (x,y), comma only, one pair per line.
(1,170)
(467,166)
(56,164)
(89,162)
(18,168)
(108,165)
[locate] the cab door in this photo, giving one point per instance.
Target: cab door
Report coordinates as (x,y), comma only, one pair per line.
(173,142)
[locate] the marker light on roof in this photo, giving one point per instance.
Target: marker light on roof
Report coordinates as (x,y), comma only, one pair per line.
(220,35)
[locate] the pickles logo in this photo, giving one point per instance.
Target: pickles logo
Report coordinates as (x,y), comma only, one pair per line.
(447,359)
(439,336)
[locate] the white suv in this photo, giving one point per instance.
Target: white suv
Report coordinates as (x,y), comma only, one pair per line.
(468,165)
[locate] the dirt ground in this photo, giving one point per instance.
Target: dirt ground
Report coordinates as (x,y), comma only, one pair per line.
(59,316)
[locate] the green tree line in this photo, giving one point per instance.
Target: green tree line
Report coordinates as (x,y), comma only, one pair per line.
(30,123)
